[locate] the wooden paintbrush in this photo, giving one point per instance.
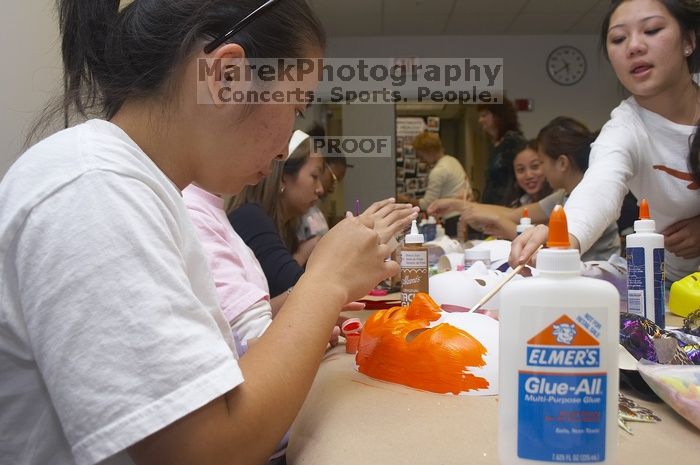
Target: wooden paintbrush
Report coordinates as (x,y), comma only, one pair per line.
(498,287)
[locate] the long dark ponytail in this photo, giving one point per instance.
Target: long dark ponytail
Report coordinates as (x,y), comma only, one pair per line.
(84,28)
(111,54)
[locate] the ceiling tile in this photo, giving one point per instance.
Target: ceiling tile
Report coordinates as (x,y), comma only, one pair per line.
(352,27)
(343,18)
(415,25)
(559,6)
(591,22)
(463,17)
(536,24)
(367,9)
(483,24)
(474,7)
(417,7)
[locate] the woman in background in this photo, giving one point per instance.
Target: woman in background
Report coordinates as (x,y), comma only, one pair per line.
(266,216)
(500,123)
(446,179)
(530,183)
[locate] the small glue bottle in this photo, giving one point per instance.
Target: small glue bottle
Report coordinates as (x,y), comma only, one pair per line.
(414,266)
(430,229)
(558,366)
(645,269)
(525,223)
(439,231)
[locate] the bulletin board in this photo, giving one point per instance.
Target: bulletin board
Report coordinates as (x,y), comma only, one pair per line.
(411,174)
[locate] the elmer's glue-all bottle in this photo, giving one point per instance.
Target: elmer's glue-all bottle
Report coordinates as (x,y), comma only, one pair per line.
(558,363)
(414,266)
(525,223)
(645,269)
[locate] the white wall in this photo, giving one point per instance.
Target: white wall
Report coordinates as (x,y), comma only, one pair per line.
(525,76)
(370,179)
(31,71)
(30,46)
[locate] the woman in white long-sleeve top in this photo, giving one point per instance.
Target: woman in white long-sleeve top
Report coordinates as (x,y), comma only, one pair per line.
(653,48)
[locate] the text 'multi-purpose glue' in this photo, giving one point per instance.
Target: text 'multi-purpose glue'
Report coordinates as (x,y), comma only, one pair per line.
(645,269)
(558,364)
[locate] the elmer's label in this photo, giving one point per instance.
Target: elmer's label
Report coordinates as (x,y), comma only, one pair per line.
(659,288)
(638,301)
(636,281)
(562,388)
(414,273)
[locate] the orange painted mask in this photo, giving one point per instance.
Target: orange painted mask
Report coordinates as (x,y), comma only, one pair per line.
(397,346)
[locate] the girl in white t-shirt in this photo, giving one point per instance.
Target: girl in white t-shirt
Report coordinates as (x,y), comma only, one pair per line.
(653,48)
(112,345)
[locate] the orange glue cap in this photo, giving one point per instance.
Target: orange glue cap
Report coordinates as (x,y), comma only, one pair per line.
(558,230)
(644,210)
(644,224)
(525,213)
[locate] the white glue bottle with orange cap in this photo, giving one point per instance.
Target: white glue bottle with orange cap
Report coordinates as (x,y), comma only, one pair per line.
(645,269)
(558,365)
(525,223)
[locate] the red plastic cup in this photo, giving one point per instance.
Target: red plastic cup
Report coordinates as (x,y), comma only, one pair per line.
(352,343)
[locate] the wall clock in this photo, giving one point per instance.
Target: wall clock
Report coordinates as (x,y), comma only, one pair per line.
(566,65)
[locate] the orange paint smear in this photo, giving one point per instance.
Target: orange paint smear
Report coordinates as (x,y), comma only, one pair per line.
(435,360)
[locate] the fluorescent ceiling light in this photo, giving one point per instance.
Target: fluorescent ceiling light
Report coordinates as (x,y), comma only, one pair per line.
(422,107)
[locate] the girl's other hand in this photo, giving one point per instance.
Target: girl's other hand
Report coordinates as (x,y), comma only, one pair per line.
(683,238)
(442,206)
(390,218)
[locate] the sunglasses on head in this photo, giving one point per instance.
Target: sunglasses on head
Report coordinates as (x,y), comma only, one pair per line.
(211,46)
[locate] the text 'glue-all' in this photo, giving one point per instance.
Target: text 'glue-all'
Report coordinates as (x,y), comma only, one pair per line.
(525,223)
(645,269)
(558,364)
(414,265)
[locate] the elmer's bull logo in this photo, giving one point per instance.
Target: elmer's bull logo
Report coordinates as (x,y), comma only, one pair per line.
(564,332)
(563,344)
